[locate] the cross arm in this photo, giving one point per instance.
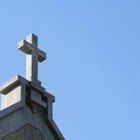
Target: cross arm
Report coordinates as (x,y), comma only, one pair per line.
(25,46)
(41,55)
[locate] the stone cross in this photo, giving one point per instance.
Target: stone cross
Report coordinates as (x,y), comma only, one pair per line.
(33,55)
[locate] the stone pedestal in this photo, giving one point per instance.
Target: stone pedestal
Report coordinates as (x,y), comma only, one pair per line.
(26,112)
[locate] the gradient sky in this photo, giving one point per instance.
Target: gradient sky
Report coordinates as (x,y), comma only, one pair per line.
(93,65)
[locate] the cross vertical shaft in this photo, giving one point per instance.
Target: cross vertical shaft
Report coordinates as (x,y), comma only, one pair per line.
(32,60)
(31,67)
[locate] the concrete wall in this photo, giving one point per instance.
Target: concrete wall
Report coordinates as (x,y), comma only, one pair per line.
(27,112)
(11,98)
(27,132)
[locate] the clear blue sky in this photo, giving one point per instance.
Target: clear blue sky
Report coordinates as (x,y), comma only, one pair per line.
(93,65)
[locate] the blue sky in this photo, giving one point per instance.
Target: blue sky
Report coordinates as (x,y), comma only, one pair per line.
(93,66)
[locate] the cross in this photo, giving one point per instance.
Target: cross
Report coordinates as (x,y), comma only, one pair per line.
(33,55)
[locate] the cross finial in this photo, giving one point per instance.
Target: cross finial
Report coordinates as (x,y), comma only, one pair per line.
(33,55)
(33,39)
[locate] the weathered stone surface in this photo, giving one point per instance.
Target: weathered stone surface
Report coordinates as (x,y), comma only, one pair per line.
(11,92)
(11,98)
(27,132)
(33,110)
(14,121)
